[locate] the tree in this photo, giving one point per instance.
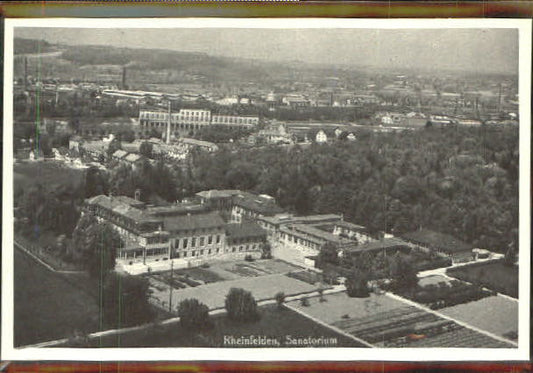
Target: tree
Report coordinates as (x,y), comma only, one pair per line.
(124,300)
(95,183)
(97,244)
(357,284)
(194,315)
(327,255)
(146,149)
(114,145)
(266,251)
(280,299)
(241,305)
(510,255)
(402,272)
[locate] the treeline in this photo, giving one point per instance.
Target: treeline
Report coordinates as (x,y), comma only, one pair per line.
(27,46)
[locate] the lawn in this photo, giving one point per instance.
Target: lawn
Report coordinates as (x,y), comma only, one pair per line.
(339,304)
(47,306)
(495,314)
(214,294)
(50,174)
(274,323)
(493,275)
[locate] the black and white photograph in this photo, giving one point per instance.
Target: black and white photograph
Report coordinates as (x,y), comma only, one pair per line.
(255,188)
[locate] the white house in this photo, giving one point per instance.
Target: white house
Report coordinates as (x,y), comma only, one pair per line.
(321,137)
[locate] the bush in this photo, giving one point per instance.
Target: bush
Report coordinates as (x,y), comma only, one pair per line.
(194,315)
(357,285)
(280,298)
(241,305)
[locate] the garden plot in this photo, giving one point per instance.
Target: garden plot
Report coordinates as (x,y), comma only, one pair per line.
(386,322)
(214,294)
(494,314)
(240,269)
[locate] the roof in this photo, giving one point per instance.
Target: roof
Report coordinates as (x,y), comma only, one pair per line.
(256,203)
(192,221)
(386,243)
(217,193)
(119,154)
(437,240)
(351,226)
(247,229)
(133,158)
(310,232)
(206,144)
(120,205)
(308,219)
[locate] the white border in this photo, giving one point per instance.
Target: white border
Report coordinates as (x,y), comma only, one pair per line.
(280,354)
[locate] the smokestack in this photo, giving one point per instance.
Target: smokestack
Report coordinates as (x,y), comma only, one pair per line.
(124,86)
(168,123)
(500,98)
(25,73)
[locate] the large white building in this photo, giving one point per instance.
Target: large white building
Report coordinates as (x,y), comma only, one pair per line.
(187,120)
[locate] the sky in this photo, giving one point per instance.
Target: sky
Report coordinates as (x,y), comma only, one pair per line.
(483,50)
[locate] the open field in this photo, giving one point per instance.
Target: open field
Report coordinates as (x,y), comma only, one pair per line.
(213,295)
(50,174)
(47,306)
(274,323)
(386,322)
(494,314)
(493,275)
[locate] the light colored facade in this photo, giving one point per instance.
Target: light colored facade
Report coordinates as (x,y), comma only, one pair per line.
(321,137)
(187,120)
(154,234)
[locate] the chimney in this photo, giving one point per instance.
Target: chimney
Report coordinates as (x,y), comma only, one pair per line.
(168,123)
(25,73)
(124,86)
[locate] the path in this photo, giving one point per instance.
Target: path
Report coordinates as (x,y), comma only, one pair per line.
(213,312)
(40,261)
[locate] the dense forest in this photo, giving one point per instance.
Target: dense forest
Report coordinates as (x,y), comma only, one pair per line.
(461,181)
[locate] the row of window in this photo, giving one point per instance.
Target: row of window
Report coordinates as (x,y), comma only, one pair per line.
(195,253)
(299,241)
(184,243)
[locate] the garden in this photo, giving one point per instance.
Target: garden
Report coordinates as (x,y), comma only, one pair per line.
(443,294)
(495,275)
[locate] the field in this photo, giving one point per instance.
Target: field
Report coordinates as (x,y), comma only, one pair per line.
(274,323)
(46,306)
(494,314)
(493,275)
(50,174)
(386,322)
(214,294)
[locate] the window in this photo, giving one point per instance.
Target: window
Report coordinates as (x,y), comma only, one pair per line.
(193,243)
(201,252)
(185,242)
(177,255)
(210,240)
(218,238)
(233,249)
(184,254)
(209,252)
(193,253)
(202,241)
